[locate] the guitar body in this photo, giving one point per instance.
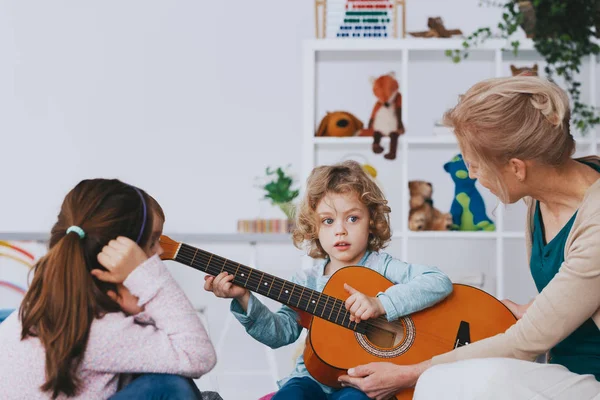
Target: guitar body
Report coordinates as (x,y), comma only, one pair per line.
(334,343)
(467,315)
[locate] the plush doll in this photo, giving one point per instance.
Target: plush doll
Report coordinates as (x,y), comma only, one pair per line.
(468,209)
(386,117)
(524,71)
(423,216)
(339,124)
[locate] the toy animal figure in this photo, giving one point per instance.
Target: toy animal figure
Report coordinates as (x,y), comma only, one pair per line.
(386,117)
(339,124)
(524,71)
(468,209)
(423,216)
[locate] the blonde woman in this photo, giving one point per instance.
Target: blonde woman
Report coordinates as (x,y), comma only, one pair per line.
(514,136)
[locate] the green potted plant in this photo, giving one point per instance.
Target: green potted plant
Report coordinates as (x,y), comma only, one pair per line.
(562,32)
(279,190)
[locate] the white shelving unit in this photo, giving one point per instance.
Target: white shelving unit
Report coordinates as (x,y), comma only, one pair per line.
(402,52)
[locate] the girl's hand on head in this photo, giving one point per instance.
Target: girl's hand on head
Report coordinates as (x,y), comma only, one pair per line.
(120,257)
(222,286)
(361,306)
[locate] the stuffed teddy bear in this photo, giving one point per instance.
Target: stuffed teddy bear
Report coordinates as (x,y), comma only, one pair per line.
(423,216)
(339,124)
(468,209)
(386,117)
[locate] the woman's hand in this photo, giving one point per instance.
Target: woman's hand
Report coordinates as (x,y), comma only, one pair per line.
(382,380)
(120,257)
(361,306)
(518,310)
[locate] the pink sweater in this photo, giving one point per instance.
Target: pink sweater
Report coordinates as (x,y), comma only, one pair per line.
(167,337)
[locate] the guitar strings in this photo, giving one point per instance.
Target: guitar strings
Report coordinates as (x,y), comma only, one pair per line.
(190,255)
(369,325)
(337,306)
(276,284)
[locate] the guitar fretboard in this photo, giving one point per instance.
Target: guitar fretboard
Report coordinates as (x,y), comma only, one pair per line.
(286,292)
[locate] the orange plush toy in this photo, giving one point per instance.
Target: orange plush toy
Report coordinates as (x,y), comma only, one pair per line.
(339,124)
(386,118)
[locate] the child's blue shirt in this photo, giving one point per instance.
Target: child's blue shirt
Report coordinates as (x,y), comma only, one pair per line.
(416,287)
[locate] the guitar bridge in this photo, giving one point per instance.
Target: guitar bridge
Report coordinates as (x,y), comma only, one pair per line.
(463,336)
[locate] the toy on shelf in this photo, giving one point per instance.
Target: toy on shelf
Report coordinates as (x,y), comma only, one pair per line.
(423,216)
(339,124)
(524,71)
(386,117)
(468,209)
(436,29)
(359,19)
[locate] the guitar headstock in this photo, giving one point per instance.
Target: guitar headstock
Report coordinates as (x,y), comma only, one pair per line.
(170,247)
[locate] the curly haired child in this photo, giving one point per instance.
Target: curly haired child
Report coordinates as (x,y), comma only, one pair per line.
(342,220)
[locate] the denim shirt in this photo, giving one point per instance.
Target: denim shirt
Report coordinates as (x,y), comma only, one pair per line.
(415,287)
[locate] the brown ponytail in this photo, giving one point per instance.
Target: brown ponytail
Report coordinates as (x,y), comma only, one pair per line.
(64,298)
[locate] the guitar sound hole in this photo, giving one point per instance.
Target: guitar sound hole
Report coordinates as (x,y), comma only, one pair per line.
(386,334)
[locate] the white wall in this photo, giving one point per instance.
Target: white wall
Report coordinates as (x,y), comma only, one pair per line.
(99,88)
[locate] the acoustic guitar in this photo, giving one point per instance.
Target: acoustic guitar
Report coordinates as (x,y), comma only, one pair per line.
(334,343)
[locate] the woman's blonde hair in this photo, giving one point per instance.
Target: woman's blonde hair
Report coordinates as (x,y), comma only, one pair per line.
(523,117)
(342,178)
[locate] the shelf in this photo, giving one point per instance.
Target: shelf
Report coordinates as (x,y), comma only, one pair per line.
(180,237)
(459,235)
(352,140)
(409,44)
(422,140)
(367,140)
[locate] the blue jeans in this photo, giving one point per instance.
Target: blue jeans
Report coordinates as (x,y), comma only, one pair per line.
(306,388)
(159,387)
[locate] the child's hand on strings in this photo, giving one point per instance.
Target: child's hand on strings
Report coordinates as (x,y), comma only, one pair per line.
(222,286)
(120,257)
(361,306)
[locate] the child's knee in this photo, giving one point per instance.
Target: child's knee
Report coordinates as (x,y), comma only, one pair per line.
(166,386)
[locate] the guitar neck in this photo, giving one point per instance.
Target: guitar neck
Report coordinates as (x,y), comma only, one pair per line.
(280,290)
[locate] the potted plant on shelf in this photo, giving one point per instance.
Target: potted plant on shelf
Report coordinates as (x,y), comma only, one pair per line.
(279,191)
(563,32)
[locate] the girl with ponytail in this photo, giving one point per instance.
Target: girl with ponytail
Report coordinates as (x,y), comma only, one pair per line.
(102,306)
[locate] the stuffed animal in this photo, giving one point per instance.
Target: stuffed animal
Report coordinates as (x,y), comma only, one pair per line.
(423,216)
(524,71)
(386,117)
(339,124)
(468,209)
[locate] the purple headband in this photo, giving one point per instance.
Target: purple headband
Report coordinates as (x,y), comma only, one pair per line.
(144,220)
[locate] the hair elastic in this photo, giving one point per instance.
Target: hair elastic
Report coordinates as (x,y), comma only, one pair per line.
(144,220)
(77,230)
